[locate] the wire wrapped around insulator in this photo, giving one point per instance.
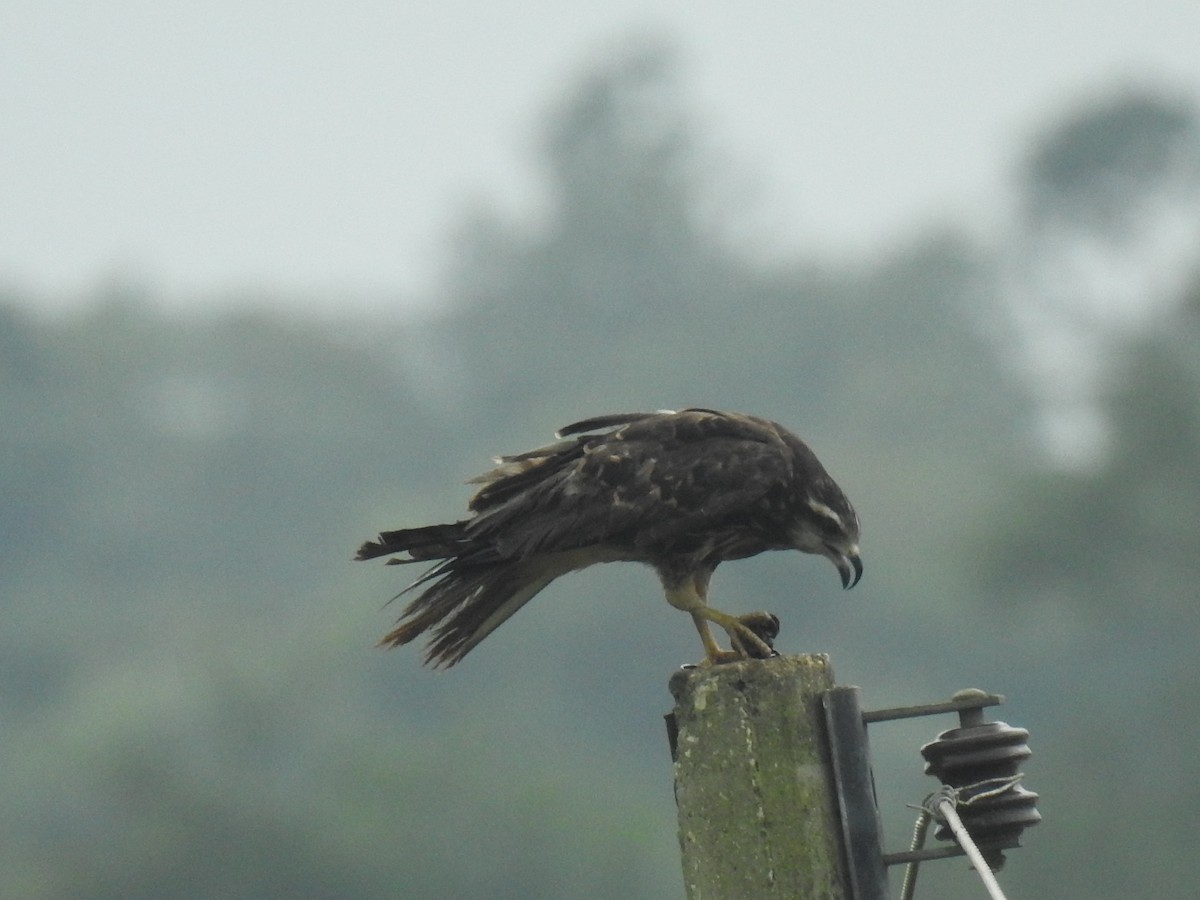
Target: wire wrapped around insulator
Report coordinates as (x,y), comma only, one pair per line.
(980,752)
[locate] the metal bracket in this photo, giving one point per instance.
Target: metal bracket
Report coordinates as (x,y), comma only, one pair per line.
(854,784)
(849,750)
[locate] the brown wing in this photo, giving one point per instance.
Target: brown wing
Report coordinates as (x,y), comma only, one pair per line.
(633,488)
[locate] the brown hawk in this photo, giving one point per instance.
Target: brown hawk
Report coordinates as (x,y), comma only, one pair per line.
(679,491)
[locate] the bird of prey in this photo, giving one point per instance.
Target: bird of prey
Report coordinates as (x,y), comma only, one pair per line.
(679,491)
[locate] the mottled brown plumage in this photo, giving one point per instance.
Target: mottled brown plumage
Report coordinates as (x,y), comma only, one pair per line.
(681,492)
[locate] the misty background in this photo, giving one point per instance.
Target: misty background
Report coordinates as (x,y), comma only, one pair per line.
(271,282)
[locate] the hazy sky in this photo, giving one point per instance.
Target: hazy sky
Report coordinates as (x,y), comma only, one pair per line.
(310,145)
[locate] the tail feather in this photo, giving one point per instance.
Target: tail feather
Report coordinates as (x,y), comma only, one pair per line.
(430,542)
(465,604)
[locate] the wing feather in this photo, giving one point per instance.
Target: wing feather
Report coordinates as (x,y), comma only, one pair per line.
(656,477)
(598,423)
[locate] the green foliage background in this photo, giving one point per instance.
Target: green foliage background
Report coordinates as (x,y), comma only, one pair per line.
(191,703)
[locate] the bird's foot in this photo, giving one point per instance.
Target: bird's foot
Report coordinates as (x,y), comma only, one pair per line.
(765,626)
(751,636)
(755,638)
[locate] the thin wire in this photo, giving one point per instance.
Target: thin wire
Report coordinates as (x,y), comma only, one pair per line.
(920,829)
(986,789)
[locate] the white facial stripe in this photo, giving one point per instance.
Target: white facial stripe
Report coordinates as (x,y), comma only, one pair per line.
(822,510)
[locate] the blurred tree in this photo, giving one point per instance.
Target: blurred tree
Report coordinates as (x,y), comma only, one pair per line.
(1099,169)
(620,252)
(1111,201)
(1101,567)
(1134,522)
(622,159)
(32,489)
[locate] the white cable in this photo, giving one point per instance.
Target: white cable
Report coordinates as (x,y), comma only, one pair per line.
(946,811)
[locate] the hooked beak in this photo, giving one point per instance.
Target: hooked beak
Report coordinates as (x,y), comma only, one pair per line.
(849,566)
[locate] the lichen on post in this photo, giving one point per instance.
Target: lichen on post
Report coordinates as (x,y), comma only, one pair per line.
(757,817)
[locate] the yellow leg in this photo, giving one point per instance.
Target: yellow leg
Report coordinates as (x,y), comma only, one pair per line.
(712,650)
(690,597)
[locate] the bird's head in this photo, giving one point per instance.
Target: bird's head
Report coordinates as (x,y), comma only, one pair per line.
(829,526)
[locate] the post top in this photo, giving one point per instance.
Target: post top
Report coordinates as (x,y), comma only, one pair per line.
(804,666)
